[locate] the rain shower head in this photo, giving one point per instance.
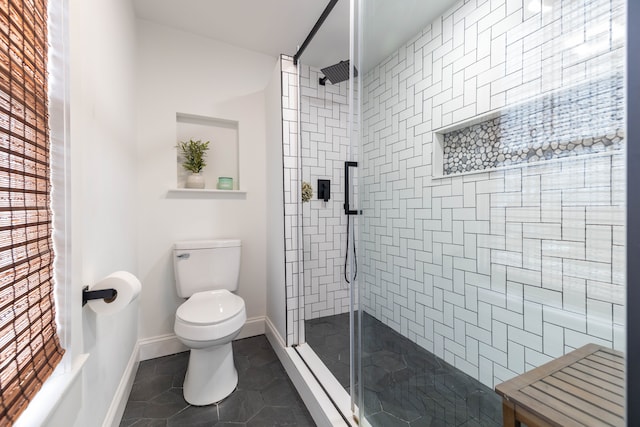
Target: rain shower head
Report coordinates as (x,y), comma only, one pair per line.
(337,73)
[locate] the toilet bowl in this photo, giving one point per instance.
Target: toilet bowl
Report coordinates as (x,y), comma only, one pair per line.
(207,323)
(211,317)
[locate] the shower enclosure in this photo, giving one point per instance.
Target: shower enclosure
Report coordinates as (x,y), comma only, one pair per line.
(328,167)
(487,149)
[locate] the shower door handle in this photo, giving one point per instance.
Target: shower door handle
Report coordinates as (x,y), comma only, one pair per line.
(347,208)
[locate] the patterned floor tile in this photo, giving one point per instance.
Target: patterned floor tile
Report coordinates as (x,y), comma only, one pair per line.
(403,383)
(265,396)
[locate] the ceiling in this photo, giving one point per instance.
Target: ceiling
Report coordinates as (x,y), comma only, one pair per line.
(280,26)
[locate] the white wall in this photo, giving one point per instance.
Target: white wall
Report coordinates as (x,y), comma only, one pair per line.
(179,72)
(103,175)
(276,297)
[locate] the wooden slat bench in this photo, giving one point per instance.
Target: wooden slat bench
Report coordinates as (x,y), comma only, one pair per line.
(582,388)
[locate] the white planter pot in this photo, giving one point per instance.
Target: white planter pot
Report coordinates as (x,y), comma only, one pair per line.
(195,180)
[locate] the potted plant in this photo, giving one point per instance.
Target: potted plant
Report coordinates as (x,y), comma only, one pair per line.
(193,160)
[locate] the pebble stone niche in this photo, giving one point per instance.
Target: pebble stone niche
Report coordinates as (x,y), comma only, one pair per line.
(588,118)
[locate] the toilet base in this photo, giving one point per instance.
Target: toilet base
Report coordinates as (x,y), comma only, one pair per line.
(211,375)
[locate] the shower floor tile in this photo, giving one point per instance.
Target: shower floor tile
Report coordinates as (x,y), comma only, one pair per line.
(404,385)
(265,396)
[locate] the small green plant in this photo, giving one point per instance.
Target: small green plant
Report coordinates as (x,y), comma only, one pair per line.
(194,153)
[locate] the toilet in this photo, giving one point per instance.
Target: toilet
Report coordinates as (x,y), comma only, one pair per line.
(207,273)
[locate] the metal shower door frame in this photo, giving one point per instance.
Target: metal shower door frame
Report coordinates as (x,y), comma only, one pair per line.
(355,390)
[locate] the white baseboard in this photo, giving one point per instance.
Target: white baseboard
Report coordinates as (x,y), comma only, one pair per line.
(164,345)
(320,407)
(121,396)
(273,336)
(252,327)
(159,346)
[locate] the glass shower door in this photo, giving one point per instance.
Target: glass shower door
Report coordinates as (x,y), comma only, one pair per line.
(325,106)
(492,187)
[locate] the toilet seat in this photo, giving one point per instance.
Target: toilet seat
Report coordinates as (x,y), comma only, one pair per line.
(210,316)
(210,307)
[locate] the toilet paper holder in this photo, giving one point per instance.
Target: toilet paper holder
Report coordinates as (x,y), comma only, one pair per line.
(107,294)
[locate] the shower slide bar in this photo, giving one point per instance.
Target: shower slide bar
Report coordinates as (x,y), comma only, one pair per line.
(314,30)
(347,207)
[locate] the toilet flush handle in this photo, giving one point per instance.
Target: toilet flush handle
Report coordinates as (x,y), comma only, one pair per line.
(184,256)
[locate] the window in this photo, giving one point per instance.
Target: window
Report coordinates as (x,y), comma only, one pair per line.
(29,346)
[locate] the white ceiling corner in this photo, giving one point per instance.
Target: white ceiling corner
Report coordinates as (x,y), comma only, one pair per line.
(273,27)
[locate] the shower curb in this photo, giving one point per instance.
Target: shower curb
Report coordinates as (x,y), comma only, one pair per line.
(320,407)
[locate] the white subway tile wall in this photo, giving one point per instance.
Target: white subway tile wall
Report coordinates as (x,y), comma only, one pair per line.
(325,147)
(292,199)
(496,272)
(315,232)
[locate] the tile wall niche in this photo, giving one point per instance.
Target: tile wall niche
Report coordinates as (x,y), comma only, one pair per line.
(495,271)
(585,119)
(325,147)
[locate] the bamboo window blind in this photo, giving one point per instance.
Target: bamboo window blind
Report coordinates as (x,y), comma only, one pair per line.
(29,346)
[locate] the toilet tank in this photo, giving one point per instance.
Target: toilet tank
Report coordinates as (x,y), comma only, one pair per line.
(205,265)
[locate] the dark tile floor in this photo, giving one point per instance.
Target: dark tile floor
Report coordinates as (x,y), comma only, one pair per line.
(404,385)
(265,396)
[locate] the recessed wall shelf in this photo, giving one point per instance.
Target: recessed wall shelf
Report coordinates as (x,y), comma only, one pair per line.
(223,155)
(585,119)
(206,193)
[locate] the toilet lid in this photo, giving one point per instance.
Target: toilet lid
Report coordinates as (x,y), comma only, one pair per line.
(210,307)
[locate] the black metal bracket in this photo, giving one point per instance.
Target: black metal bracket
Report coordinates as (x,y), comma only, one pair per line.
(107,294)
(314,30)
(347,208)
(322,81)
